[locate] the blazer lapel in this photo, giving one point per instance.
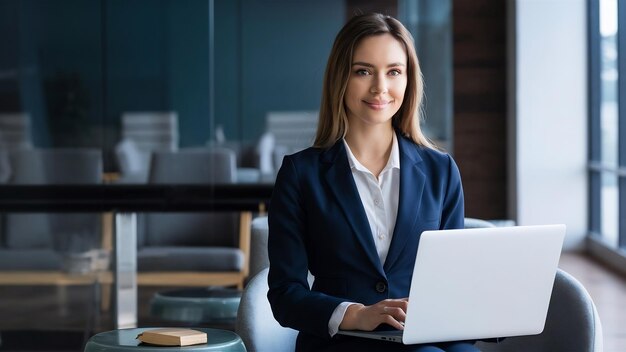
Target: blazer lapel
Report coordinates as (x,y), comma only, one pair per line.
(412,181)
(341,182)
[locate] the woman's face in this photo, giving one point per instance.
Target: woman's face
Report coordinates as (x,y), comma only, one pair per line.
(377,81)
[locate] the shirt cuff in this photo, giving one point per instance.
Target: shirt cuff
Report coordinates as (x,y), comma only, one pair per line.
(337,317)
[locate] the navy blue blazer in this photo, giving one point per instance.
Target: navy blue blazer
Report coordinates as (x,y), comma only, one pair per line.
(317,223)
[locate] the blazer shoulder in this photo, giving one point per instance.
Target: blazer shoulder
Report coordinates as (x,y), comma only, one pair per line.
(303,161)
(305,156)
(430,156)
(434,155)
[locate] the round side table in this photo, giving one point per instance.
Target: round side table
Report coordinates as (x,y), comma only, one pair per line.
(197,305)
(125,340)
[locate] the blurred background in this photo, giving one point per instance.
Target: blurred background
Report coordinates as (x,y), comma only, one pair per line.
(523,93)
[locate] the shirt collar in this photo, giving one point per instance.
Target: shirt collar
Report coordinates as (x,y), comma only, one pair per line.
(393,162)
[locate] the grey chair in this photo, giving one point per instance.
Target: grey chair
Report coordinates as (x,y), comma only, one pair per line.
(193,249)
(55,249)
(143,133)
(15,131)
(5,167)
(256,325)
(15,134)
(152,130)
(572,323)
(259,258)
(292,131)
(193,166)
(51,234)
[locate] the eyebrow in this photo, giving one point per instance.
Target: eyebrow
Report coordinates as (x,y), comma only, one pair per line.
(360,63)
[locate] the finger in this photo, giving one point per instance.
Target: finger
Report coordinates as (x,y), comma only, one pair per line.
(394,302)
(396,312)
(397,303)
(389,320)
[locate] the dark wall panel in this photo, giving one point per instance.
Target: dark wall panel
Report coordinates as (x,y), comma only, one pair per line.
(480,104)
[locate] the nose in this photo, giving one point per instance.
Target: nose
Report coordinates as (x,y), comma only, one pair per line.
(379,85)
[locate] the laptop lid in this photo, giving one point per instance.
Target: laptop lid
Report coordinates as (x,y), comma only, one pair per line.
(482,283)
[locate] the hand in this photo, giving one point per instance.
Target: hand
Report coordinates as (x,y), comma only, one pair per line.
(367,318)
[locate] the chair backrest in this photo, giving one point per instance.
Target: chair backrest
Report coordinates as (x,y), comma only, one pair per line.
(265,150)
(260,232)
(259,258)
(5,166)
(151,130)
(142,133)
(292,132)
(15,131)
(473,223)
(256,325)
(572,323)
(56,166)
(64,232)
(195,166)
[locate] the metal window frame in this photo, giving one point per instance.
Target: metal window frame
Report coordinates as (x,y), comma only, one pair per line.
(615,257)
(621,137)
(594,92)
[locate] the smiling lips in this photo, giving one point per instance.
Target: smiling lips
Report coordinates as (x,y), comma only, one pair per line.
(377,105)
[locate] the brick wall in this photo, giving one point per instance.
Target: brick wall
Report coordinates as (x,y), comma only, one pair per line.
(480,104)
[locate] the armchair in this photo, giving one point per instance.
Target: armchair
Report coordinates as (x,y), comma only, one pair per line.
(142,133)
(35,245)
(193,249)
(291,131)
(572,322)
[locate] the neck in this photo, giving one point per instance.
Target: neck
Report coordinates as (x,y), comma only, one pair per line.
(371,144)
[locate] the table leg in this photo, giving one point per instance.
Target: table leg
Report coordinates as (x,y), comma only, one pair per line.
(125,271)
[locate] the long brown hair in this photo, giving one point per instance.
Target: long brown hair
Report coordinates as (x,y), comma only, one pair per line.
(333,120)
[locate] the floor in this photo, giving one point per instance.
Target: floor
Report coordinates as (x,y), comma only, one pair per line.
(35,319)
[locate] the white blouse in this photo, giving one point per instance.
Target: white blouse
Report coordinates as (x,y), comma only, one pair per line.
(380,201)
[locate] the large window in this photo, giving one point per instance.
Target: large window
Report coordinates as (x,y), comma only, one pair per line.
(607,152)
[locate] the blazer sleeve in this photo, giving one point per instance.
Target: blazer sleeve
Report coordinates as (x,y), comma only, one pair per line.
(453,211)
(293,304)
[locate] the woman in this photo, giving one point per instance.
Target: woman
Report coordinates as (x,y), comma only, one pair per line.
(351,208)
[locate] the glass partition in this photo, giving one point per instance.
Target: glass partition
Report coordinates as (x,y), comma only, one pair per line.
(160,92)
(134,77)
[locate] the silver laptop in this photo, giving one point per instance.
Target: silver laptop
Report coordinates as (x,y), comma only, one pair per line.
(479,283)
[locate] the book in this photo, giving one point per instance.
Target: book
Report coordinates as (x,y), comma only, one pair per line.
(172,337)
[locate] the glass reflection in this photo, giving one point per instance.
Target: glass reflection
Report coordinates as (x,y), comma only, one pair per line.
(141,90)
(135,77)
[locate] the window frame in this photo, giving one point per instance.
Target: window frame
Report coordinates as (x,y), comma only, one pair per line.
(613,255)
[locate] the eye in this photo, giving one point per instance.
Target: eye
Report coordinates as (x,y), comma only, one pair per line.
(362,72)
(395,72)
